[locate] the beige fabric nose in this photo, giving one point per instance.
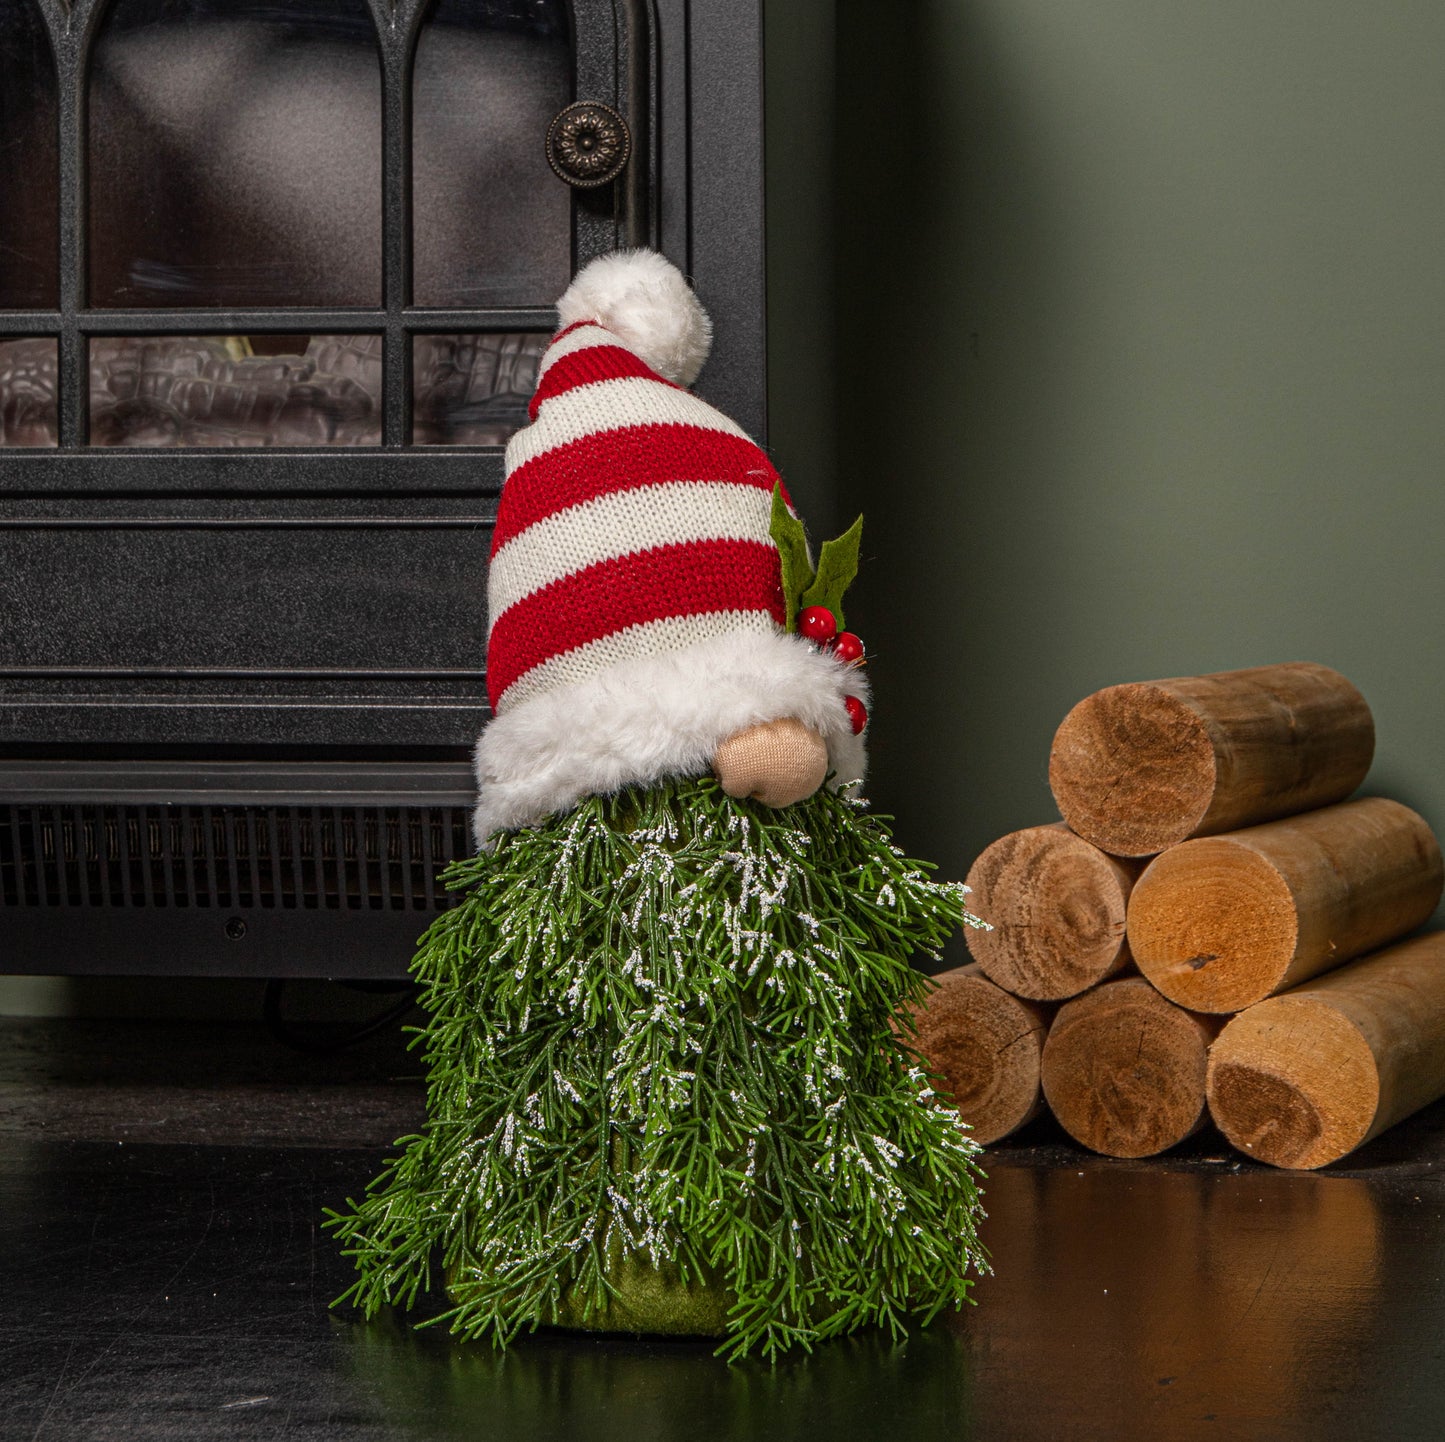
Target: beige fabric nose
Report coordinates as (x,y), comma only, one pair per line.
(775,762)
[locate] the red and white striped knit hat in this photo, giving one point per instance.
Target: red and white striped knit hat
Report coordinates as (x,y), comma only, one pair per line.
(635,594)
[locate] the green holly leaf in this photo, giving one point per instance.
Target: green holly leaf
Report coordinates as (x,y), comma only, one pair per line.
(837,565)
(787,530)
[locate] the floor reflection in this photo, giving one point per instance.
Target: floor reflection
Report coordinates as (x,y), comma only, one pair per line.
(556,1385)
(167,1276)
(1152,1303)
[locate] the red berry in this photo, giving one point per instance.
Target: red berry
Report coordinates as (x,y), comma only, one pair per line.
(817,623)
(857,713)
(848,648)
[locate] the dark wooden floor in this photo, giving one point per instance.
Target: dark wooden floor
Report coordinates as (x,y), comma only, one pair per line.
(162,1185)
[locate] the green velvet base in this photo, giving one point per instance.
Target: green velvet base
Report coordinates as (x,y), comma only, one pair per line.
(650,1300)
(645,1299)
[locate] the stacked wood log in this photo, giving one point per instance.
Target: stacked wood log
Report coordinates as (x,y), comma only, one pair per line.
(1223,922)
(1139,768)
(1187,941)
(986,1047)
(1124,1070)
(1057,907)
(1306,1077)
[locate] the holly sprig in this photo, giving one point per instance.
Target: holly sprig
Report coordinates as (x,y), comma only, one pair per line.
(802,585)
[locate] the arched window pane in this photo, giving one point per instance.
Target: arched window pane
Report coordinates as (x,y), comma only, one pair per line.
(29,207)
(235,154)
(492,223)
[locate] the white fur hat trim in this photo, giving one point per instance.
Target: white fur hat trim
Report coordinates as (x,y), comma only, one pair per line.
(657,716)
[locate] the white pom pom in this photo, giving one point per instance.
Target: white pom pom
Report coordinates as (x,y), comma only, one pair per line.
(643,299)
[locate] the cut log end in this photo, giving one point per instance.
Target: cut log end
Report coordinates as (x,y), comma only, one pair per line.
(1124,1070)
(1132,769)
(1293,1083)
(1213,925)
(985,1047)
(1269,1117)
(1057,907)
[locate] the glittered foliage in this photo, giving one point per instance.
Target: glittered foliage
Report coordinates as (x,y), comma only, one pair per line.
(666,1086)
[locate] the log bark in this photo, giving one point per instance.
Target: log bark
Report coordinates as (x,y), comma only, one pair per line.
(1123,1069)
(1142,767)
(1220,923)
(1303,1079)
(984,1045)
(1057,905)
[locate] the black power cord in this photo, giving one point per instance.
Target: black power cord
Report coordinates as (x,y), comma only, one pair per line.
(289,1035)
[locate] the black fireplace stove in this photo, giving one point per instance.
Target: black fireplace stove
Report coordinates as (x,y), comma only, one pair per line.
(274,279)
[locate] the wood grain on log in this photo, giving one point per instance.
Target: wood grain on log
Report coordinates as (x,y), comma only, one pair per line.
(984,1045)
(1057,906)
(1123,1069)
(1222,922)
(1303,1079)
(1141,767)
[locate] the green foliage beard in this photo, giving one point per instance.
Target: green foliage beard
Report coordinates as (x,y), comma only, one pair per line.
(669,1083)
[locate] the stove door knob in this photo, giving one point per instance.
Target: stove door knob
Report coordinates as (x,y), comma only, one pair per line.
(588,143)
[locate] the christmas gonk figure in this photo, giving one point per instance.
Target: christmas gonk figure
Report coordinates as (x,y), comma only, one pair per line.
(670,1089)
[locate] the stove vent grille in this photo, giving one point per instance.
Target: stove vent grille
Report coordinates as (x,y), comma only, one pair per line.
(232,857)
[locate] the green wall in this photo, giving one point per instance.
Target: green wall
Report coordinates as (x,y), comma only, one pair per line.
(800,38)
(1140,372)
